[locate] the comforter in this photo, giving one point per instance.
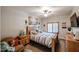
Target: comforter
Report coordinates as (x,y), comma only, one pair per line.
(44,38)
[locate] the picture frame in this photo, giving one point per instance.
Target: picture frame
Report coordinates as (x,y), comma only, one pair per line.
(64,25)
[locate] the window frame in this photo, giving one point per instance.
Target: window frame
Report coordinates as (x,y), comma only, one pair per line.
(52,29)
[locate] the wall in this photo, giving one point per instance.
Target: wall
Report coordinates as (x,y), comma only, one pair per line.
(59,19)
(34,23)
(12,21)
(0,22)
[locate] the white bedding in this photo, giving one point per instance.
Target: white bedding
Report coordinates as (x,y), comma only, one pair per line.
(43,38)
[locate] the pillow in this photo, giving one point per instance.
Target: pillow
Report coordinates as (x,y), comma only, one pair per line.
(39,31)
(17,40)
(33,32)
(12,42)
(6,48)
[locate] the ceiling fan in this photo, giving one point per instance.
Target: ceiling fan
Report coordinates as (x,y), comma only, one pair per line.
(46,11)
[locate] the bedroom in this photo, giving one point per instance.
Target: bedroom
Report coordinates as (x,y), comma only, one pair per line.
(52,21)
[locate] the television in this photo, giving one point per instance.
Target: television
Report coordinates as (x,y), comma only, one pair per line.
(74,20)
(78,21)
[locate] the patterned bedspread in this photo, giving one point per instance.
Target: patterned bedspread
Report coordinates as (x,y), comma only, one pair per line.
(44,38)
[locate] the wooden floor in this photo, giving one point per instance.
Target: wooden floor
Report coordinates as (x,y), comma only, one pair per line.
(34,47)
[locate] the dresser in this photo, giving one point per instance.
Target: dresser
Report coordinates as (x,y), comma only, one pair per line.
(72,44)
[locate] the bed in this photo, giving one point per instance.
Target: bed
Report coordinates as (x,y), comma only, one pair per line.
(44,38)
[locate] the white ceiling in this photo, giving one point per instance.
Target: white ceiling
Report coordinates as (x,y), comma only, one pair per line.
(37,10)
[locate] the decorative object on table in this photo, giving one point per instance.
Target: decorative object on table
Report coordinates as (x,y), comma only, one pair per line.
(69,30)
(64,25)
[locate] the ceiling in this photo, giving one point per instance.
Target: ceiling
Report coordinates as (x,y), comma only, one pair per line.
(37,10)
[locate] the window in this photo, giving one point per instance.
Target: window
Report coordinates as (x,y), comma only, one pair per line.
(50,27)
(53,27)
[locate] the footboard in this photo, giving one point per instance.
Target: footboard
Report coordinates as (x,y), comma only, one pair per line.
(54,43)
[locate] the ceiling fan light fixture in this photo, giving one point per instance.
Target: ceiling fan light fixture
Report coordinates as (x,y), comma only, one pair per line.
(45,15)
(46,11)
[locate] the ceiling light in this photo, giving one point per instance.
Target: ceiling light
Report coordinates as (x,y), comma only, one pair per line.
(46,11)
(45,15)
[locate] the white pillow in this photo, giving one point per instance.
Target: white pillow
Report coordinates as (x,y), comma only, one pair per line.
(33,32)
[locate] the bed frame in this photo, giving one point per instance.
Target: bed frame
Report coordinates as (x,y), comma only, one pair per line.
(54,41)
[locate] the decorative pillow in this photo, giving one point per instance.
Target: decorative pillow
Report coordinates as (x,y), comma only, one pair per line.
(6,48)
(38,31)
(12,42)
(33,32)
(17,40)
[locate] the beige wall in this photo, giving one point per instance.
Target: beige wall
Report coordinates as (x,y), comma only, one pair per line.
(59,19)
(0,22)
(12,21)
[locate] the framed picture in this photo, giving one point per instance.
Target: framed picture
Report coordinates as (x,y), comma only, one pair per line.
(30,20)
(25,22)
(64,25)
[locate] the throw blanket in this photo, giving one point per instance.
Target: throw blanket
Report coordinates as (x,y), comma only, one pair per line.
(44,38)
(6,48)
